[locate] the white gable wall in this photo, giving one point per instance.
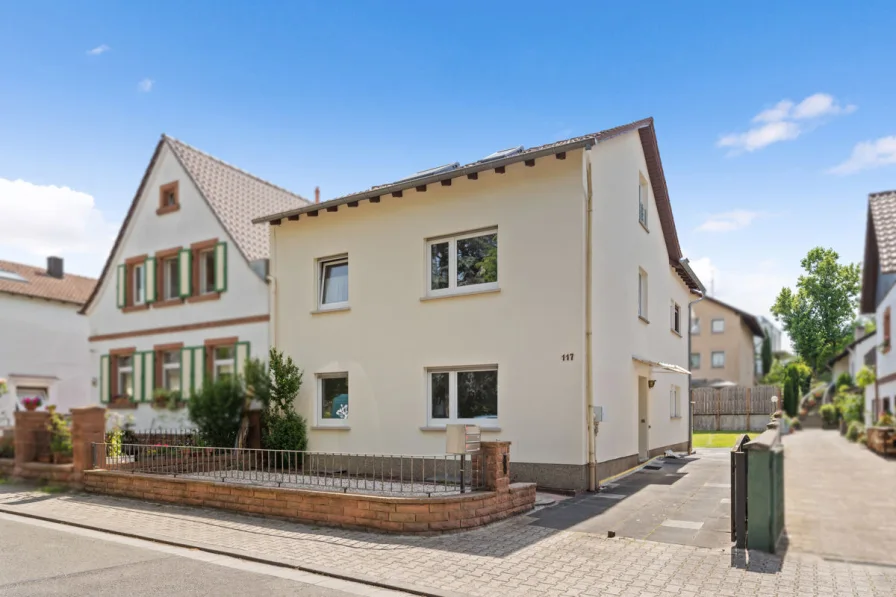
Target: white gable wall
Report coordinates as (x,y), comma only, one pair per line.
(621,246)
(147,233)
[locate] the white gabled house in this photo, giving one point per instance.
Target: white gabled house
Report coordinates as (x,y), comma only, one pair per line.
(540,293)
(183,296)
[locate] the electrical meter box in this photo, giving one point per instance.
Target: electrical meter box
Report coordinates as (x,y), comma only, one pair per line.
(462,439)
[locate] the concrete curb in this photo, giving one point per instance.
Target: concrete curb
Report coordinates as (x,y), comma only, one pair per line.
(242,555)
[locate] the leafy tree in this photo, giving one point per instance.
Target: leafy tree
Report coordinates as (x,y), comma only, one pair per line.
(766,355)
(286,381)
(282,427)
(776,375)
(818,316)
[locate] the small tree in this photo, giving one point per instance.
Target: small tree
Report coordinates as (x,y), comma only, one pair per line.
(766,355)
(282,427)
(788,397)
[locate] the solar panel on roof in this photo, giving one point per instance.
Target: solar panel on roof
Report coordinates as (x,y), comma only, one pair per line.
(503,153)
(7,275)
(431,171)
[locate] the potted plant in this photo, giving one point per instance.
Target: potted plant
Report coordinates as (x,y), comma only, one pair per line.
(3,387)
(885,346)
(163,399)
(60,438)
(32,403)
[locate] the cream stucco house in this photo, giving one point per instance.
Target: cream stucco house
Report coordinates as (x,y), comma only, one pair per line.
(723,347)
(183,296)
(540,293)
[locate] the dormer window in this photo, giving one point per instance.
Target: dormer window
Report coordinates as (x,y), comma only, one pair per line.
(169,198)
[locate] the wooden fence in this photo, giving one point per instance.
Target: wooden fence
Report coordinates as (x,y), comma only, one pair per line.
(735,400)
(734,408)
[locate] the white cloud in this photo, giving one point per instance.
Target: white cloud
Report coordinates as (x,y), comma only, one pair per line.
(732,220)
(98,50)
(145,85)
(867,155)
(47,220)
(785,121)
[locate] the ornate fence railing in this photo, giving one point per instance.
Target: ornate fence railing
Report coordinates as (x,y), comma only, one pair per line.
(324,471)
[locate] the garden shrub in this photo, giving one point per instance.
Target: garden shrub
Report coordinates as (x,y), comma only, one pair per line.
(282,427)
(217,410)
(865,377)
(828,414)
(844,379)
(60,434)
(851,407)
(854,430)
(796,424)
(885,420)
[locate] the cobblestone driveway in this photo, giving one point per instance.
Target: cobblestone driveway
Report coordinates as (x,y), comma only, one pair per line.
(512,558)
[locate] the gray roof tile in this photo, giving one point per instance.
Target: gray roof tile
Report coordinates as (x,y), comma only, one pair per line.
(883,217)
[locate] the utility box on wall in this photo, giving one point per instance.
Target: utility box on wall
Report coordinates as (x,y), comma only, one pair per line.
(462,439)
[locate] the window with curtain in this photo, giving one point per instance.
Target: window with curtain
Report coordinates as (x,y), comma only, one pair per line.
(333,283)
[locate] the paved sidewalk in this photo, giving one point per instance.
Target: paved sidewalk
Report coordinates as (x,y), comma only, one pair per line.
(511,558)
(840,497)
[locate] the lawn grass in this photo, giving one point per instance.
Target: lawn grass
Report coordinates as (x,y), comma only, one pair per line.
(52,489)
(716,439)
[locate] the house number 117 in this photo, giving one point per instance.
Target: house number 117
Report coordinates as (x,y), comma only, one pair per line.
(567,357)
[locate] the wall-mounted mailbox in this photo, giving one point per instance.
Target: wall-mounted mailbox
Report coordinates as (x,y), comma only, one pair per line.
(462,439)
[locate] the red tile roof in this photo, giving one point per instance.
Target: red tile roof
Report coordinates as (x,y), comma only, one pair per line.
(38,284)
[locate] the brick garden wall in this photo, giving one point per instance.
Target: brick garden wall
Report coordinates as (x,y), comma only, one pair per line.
(394,514)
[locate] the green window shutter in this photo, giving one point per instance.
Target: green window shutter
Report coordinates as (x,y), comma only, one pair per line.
(138,377)
(185,266)
(121,286)
(104,379)
(186,372)
(221,267)
(149,375)
(149,277)
(242,357)
(198,367)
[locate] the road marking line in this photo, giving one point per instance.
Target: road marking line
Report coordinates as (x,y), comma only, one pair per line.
(682,524)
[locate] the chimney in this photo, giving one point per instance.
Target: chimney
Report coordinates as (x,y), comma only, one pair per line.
(54,267)
(317,194)
(860,331)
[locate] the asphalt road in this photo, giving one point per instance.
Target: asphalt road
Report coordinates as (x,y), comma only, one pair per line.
(38,558)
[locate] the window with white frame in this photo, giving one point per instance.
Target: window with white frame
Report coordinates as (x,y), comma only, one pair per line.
(23,392)
(171,370)
(718,359)
(170,278)
(332,394)
(468,394)
(643,201)
(463,263)
(139,284)
(333,283)
(126,376)
(675,402)
(642,294)
(207,271)
(695,326)
(224,361)
(718,326)
(676,318)
(695,360)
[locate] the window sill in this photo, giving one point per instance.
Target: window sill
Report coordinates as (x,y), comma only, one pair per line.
(168,303)
(644,319)
(644,226)
(167,209)
(676,418)
(201,298)
(676,333)
(430,428)
(457,294)
(132,308)
(336,310)
(330,428)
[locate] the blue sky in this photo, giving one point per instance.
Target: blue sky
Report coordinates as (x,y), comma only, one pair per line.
(346,95)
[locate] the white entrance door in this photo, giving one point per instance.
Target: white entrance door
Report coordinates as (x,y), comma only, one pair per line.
(643,420)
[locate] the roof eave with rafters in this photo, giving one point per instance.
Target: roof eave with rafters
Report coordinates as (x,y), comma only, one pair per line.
(559,149)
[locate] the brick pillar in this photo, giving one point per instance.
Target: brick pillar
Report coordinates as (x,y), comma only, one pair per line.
(494,462)
(88,427)
(32,437)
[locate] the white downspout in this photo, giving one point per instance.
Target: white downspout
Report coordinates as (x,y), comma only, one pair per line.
(589,381)
(272,293)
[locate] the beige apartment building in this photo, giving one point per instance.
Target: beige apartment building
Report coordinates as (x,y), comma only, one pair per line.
(722,347)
